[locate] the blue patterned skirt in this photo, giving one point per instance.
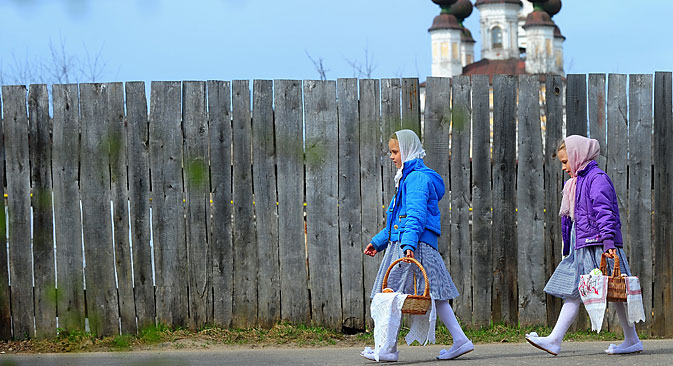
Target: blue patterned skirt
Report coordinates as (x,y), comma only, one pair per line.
(401,277)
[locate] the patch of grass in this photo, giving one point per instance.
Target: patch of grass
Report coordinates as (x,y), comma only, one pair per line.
(121,342)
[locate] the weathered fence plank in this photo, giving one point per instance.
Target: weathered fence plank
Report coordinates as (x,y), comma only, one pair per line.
(5,309)
(350,219)
(482,260)
(597,127)
(530,204)
(197,199)
(461,243)
(264,182)
(295,306)
(436,143)
(576,105)
(391,121)
(18,188)
(553,186)
(663,206)
(67,214)
(101,294)
(219,128)
(43,229)
(640,186)
(137,152)
(245,302)
(168,222)
(320,112)
(411,111)
(505,256)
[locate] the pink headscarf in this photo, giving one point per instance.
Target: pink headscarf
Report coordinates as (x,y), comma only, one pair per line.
(581,151)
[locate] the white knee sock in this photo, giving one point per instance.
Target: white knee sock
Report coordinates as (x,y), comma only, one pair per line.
(552,342)
(446,315)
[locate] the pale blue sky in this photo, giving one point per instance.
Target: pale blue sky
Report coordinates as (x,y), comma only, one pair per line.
(254,39)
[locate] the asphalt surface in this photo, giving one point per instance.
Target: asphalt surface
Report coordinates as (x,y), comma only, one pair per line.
(657,352)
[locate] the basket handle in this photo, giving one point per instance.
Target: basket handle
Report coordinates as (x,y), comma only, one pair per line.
(616,271)
(426,291)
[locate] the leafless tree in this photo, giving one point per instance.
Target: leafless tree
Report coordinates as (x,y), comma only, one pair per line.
(319,66)
(363,70)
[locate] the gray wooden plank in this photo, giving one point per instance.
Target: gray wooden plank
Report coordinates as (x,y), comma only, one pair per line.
(617,131)
(67,214)
(101,292)
(320,113)
(530,204)
(5,309)
(245,303)
(505,309)
(43,229)
(461,243)
(576,105)
(640,186)
(436,144)
(295,305)
(349,209)
(553,186)
(18,206)
(411,111)
(219,127)
(371,194)
(264,183)
(197,201)
(482,260)
(597,117)
(391,121)
(137,152)
(168,222)
(663,206)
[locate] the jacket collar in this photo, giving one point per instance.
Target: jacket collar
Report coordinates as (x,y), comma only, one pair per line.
(587,168)
(411,165)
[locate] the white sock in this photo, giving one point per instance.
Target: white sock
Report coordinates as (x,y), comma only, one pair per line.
(567,316)
(446,315)
(630,335)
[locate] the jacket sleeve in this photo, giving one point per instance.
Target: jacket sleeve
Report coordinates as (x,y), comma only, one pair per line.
(380,240)
(416,201)
(566,228)
(602,195)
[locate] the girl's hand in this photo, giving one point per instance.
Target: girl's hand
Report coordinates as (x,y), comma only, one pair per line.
(612,253)
(370,250)
(409,253)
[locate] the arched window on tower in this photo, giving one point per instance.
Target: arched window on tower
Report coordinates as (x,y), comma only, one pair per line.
(496,37)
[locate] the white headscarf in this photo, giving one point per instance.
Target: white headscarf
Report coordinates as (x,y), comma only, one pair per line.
(410,149)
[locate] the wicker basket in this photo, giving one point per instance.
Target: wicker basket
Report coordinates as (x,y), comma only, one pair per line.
(616,283)
(413,304)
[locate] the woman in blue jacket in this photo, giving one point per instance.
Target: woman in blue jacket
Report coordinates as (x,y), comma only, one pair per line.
(412,229)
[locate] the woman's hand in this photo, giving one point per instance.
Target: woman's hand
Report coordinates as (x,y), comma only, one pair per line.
(612,252)
(370,250)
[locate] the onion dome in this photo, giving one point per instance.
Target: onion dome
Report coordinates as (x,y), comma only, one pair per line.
(482,2)
(461,9)
(466,36)
(445,21)
(552,7)
(557,33)
(444,4)
(538,18)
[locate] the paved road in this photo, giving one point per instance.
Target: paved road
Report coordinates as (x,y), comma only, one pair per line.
(657,352)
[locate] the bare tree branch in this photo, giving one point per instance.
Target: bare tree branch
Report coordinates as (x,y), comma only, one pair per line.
(93,67)
(319,66)
(363,70)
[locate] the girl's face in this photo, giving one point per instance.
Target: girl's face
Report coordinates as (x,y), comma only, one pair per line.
(395,156)
(563,157)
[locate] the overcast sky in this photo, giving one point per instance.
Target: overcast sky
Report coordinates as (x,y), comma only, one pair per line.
(255,39)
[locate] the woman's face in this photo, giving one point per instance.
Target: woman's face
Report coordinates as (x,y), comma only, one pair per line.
(563,157)
(395,156)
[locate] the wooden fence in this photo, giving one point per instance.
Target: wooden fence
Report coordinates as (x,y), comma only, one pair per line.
(195,212)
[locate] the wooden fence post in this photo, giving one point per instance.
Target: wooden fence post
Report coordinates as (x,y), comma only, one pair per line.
(597,126)
(5,308)
(576,105)
(411,111)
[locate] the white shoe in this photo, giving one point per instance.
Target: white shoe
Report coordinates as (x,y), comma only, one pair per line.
(368,353)
(617,350)
(452,353)
(538,342)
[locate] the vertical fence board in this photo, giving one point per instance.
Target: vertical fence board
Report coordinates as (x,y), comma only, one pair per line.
(168,223)
(67,215)
(597,127)
(197,191)
(5,309)
(43,229)
(264,181)
(461,243)
(18,190)
(137,152)
(504,305)
(553,186)
(640,188)
(576,105)
(530,204)
(350,219)
(411,111)
(101,294)
(391,121)
(482,268)
(663,206)
(219,128)
(244,240)
(295,306)
(436,143)
(321,201)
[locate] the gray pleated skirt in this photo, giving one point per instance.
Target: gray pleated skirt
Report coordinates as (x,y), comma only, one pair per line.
(401,277)
(566,278)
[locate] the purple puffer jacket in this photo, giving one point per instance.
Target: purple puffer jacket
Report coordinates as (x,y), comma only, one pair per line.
(596,212)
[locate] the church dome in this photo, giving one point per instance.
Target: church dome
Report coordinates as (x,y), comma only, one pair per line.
(461,9)
(445,21)
(552,7)
(483,2)
(557,32)
(538,18)
(466,36)
(444,3)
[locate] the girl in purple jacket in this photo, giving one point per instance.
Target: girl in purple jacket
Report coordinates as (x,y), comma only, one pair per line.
(590,226)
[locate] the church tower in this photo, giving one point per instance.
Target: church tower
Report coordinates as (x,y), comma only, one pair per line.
(499,28)
(445,35)
(540,40)
(462,9)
